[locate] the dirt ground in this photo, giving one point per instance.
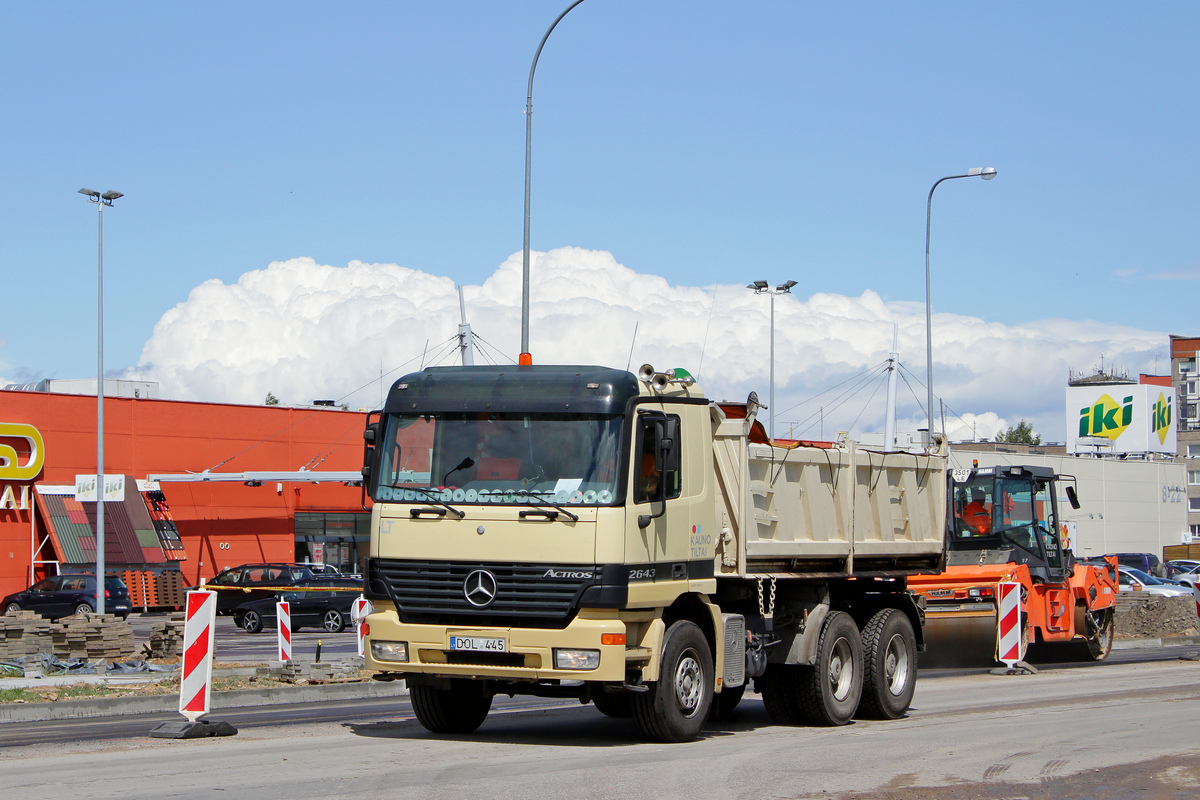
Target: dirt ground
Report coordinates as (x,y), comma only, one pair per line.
(1171,778)
(1150,617)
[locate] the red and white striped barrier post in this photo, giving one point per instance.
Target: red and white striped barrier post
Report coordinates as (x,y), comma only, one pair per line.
(283,613)
(198,630)
(195,684)
(1011,645)
(361,609)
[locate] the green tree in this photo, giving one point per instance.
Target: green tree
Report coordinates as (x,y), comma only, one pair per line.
(1022,434)
(271,400)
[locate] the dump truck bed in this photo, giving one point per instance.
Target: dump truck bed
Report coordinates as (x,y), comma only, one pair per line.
(825,510)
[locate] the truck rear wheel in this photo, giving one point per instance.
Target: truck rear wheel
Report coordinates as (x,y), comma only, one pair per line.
(778,689)
(828,692)
(675,708)
(460,709)
(889,665)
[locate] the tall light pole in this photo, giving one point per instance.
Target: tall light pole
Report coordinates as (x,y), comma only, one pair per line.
(762,287)
(101,200)
(987,173)
(526,357)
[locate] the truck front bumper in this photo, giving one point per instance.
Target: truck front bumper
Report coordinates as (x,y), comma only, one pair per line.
(531,654)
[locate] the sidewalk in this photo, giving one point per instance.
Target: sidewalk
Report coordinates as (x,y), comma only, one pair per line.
(151,704)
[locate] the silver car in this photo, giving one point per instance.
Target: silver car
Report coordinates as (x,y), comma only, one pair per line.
(1134,580)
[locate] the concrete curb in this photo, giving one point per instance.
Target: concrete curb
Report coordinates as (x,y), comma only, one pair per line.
(1166,641)
(240,698)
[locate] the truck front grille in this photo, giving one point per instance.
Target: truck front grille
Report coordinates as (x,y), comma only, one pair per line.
(526,595)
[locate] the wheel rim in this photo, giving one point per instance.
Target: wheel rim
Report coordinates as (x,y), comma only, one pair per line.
(895,665)
(83,608)
(689,677)
(250,622)
(841,669)
(333,621)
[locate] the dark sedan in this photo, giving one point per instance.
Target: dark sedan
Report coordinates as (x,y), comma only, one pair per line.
(245,583)
(318,603)
(64,595)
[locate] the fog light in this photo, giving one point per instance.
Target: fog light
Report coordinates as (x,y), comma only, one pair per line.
(576,659)
(389,651)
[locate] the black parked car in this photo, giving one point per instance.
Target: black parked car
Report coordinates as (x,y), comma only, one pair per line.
(241,584)
(326,605)
(64,595)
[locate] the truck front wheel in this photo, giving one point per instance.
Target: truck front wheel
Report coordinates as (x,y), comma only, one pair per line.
(829,690)
(675,708)
(889,665)
(460,709)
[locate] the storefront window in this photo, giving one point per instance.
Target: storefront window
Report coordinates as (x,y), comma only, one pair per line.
(338,540)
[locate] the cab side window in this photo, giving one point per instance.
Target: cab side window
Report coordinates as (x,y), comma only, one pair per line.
(648,475)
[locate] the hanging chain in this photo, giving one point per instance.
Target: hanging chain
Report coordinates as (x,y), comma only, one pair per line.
(767,612)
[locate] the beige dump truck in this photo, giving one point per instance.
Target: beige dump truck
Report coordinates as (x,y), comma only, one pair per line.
(584,532)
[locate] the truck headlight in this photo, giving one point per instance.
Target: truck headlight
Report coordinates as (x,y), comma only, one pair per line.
(576,659)
(389,651)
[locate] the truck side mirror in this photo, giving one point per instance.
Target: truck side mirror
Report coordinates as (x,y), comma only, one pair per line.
(667,456)
(1072,497)
(370,435)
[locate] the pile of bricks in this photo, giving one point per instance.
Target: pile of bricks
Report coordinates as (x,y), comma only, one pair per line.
(89,637)
(165,639)
(25,633)
(94,637)
(314,671)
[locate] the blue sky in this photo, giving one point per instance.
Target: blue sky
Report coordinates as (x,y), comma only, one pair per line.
(706,143)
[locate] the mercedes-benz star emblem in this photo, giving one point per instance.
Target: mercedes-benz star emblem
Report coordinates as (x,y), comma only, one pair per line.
(480,588)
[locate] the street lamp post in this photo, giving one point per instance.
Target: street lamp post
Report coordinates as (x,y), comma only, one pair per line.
(987,173)
(762,287)
(101,200)
(526,357)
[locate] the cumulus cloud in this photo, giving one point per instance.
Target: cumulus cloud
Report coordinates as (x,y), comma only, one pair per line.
(305,331)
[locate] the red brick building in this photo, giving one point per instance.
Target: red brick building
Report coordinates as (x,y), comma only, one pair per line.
(219,524)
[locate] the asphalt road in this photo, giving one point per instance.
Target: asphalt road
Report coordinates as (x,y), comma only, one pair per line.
(1126,728)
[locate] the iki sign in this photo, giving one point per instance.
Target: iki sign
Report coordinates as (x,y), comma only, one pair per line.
(22,453)
(1136,423)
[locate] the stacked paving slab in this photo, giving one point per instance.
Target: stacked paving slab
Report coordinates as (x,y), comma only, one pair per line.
(88,637)
(166,639)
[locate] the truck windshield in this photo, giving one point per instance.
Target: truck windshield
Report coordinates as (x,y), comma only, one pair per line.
(510,458)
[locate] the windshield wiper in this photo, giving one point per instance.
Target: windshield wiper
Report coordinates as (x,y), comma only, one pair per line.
(537,501)
(429,495)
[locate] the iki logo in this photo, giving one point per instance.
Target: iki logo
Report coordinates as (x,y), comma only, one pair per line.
(1106,417)
(1160,418)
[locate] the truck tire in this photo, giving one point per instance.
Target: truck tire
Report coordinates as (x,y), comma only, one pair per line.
(676,707)
(726,701)
(889,665)
(828,692)
(460,709)
(778,689)
(615,705)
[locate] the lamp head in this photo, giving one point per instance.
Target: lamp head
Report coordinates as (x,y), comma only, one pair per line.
(110,195)
(757,286)
(785,287)
(987,173)
(92,193)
